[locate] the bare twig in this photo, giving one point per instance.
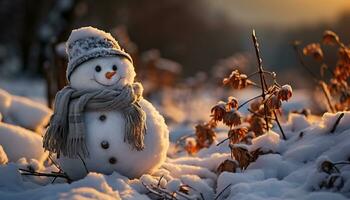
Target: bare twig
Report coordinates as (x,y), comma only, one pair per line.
(337,122)
(342,163)
(82,160)
(222,191)
(158,185)
(315,78)
(257,114)
(301,60)
(249,100)
(279,125)
(26,172)
(257,72)
(163,194)
(261,74)
(54,162)
(327,95)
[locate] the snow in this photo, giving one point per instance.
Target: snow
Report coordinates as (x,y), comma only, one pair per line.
(18,142)
(23,112)
(88,31)
(291,171)
(287,169)
(3,157)
(267,142)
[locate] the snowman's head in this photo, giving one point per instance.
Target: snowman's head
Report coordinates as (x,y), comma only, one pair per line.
(102,72)
(96,61)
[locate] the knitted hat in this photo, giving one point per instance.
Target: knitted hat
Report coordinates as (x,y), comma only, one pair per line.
(87,43)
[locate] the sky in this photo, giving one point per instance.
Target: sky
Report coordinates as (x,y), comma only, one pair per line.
(282,13)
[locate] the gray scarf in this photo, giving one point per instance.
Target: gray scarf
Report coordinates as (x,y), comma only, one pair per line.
(66,132)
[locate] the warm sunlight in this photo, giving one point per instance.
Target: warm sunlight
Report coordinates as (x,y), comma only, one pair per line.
(175,100)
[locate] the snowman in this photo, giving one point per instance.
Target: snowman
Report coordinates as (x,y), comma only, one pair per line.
(101,123)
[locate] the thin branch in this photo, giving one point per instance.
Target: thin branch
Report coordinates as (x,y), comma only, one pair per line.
(327,95)
(222,191)
(315,78)
(55,175)
(342,163)
(163,194)
(249,100)
(257,72)
(150,190)
(82,160)
(54,162)
(279,125)
(259,115)
(194,189)
(222,141)
(337,122)
(301,60)
(158,185)
(261,74)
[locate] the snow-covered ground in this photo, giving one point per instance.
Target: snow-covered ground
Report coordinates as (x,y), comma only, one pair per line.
(297,168)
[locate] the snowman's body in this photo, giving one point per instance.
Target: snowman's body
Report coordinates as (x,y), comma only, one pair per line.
(96,62)
(108,150)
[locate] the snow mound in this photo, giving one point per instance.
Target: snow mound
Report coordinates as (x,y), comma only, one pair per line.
(270,141)
(24,112)
(296,168)
(3,156)
(18,142)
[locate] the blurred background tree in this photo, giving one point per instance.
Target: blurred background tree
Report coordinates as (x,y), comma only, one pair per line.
(196,34)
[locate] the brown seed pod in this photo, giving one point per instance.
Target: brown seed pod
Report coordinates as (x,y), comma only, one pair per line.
(285,93)
(218,111)
(257,125)
(344,55)
(330,38)
(232,103)
(228,166)
(255,105)
(326,166)
(205,135)
(242,155)
(237,80)
(236,135)
(232,117)
(274,103)
(314,50)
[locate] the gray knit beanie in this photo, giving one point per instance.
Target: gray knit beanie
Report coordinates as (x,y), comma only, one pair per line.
(87,43)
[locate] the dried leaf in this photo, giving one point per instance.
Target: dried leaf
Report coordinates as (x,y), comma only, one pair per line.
(285,93)
(227,166)
(314,50)
(330,38)
(232,117)
(218,111)
(205,135)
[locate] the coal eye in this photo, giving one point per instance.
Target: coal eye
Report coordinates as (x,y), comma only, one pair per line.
(114,67)
(98,68)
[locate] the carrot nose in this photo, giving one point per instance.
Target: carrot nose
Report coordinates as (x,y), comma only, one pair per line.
(109,75)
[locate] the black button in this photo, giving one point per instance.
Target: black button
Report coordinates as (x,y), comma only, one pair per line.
(102,117)
(104,144)
(112,160)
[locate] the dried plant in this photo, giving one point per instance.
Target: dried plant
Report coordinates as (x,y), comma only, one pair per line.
(228,166)
(336,88)
(182,192)
(243,128)
(334,179)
